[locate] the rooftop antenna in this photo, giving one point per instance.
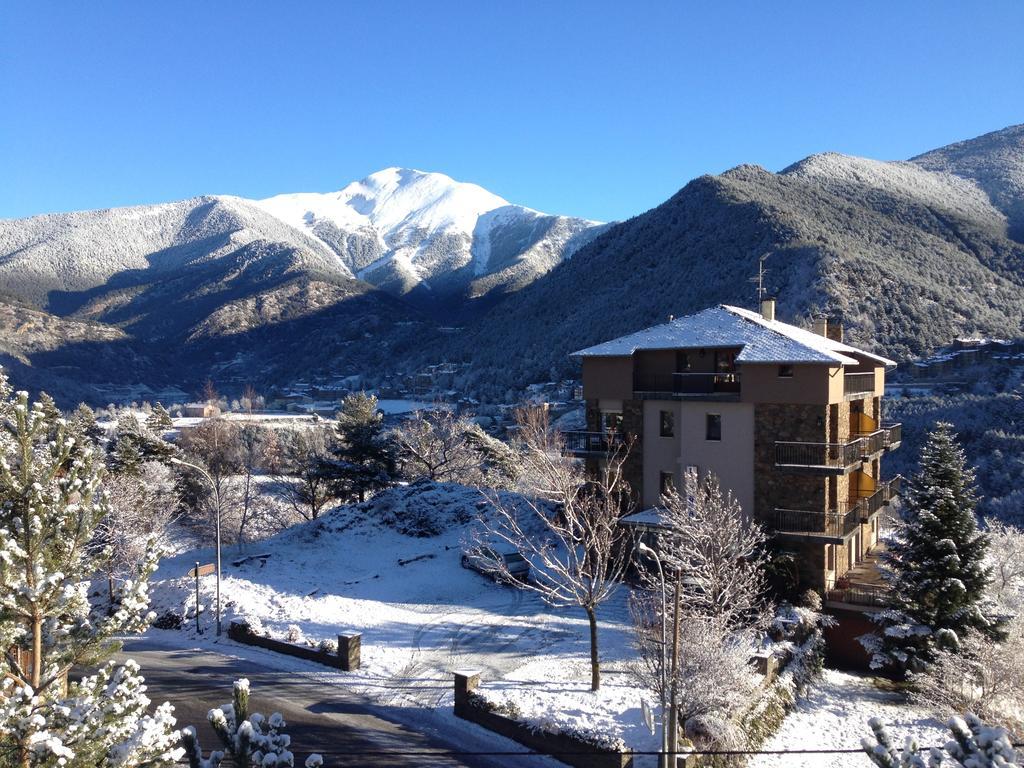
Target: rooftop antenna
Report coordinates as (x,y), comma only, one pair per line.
(759,278)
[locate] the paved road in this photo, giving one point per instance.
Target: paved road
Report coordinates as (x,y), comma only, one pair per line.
(321,717)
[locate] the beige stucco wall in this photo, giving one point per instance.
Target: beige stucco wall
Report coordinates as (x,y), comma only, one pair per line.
(608,377)
(731,459)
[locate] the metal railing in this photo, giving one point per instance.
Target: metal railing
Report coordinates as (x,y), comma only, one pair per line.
(687,383)
(829,455)
(837,523)
(858,383)
(590,442)
(859,594)
(893,434)
(892,488)
(872,442)
(871,504)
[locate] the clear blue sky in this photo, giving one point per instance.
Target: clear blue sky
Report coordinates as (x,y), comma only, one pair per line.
(591,108)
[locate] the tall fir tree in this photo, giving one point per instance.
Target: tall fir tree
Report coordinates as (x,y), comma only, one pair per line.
(51,501)
(935,564)
(364,457)
(159,420)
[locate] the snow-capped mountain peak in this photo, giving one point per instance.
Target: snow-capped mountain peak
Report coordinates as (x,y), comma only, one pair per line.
(390,199)
(403,229)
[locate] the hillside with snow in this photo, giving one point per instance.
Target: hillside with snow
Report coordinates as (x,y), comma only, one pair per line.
(906,255)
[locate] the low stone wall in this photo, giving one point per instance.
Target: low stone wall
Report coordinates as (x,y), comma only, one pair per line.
(562,747)
(346,659)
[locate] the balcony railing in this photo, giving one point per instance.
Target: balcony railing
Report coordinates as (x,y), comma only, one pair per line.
(818,455)
(872,442)
(871,504)
(684,384)
(836,523)
(892,488)
(893,435)
(578,443)
(859,383)
(859,594)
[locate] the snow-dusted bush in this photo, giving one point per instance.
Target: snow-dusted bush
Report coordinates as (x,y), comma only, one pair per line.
(974,745)
(328,646)
(250,740)
(294,634)
(984,677)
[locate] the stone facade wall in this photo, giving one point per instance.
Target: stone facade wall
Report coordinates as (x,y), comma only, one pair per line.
(773,488)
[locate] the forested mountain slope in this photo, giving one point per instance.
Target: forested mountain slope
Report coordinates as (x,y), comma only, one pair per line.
(907,258)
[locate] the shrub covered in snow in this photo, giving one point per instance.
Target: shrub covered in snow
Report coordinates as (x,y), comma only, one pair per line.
(974,745)
(248,739)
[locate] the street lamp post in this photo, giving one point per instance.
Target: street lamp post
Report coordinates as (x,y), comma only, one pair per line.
(216,497)
(647,552)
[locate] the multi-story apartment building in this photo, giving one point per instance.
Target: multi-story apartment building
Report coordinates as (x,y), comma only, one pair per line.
(788,419)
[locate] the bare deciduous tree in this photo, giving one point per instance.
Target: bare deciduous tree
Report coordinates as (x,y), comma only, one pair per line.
(443,446)
(1006,558)
(142,509)
(714,563)
(984,676)
(301,481)
(718,551)
(567,527)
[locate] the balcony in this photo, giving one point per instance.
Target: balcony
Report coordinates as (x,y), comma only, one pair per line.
(893,436)
(590,443)
(675,386)
(858,384)
(829,457)
(832,525)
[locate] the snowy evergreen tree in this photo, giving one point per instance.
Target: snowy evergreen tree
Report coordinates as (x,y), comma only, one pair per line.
(935,564)
(51,502)
(250,740)
(83,424)
(364,459)
(134,444)
(159,420)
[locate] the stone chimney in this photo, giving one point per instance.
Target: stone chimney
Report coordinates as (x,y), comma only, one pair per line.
(820,326)
(768,309)
(834,330)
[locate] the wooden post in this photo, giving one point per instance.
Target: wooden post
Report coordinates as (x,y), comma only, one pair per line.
(349,651)
(199,629)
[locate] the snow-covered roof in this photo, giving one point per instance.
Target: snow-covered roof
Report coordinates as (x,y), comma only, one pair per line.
(762,341)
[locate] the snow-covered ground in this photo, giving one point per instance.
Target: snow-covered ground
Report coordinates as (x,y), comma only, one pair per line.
(834,715)
(421,614)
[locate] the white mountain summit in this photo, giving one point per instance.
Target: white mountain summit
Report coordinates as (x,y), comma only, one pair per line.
(406,230)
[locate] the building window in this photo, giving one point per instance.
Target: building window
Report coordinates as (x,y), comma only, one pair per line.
(668,423)
(785,371)
(612,421)
(668,483)
(713,428)
(830,557)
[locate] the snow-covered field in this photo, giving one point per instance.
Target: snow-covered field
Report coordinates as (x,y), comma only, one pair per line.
(834,715)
